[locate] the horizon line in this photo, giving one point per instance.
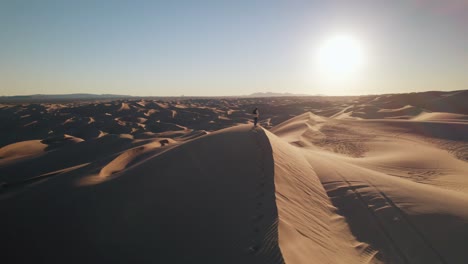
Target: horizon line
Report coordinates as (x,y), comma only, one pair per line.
(217,96)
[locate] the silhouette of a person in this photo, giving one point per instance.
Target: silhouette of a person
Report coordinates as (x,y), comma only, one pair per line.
(256,114)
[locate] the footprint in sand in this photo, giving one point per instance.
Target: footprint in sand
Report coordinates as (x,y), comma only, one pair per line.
(258,217)
(253,249)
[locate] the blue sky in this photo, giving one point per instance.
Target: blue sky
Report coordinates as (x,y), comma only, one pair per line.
(227,47)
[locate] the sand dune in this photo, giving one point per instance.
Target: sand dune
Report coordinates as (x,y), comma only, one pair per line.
(403,197)
(87,119)
(441,116)
(21,149)
(375,179)
(133,155)
(210,210)
(310,230)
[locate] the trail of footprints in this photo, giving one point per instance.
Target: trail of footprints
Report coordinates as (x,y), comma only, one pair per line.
(256,243)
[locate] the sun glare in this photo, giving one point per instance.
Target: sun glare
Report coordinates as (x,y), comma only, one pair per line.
(340,56)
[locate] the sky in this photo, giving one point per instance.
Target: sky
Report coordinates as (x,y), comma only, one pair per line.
(217,48)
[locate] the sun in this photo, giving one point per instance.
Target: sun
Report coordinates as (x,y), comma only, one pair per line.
(340,56)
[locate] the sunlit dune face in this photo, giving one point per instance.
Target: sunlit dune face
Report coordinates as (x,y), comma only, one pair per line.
(340,56)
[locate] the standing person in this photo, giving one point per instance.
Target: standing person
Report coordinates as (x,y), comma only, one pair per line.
(256,114)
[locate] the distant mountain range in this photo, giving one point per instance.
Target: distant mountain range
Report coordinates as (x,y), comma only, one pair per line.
(270,94)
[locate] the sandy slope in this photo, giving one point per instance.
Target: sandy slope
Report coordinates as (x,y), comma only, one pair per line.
(310,230)
(396,187)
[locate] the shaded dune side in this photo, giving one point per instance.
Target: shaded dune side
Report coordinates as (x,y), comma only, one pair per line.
(15,171)
(210,200)
(310,230)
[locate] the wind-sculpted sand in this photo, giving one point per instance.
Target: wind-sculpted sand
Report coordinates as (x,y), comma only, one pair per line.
(401,194)
(372,179)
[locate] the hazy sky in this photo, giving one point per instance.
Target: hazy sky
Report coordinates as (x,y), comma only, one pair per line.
(228,47)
